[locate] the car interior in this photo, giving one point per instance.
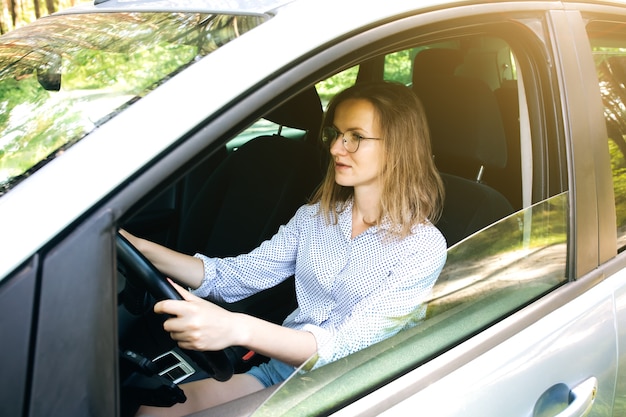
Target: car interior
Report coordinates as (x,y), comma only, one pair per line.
(466,149)
(237,196)
(215,216)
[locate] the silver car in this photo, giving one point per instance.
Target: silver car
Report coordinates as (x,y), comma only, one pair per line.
(196,124)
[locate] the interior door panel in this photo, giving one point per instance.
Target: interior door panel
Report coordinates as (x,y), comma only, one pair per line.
(17,296)
(74,370)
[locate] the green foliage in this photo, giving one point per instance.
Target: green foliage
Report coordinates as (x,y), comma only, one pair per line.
(63,75)
(618,166)
(335,84)
(34,124)
(14,92)
(27,11)
(125,72)
(399,66)
(610,62)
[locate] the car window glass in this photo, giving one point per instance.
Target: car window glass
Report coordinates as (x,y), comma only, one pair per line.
(326,89)
(338,82)
(487,277)
(64,75)
(608,43)
(263,127)
(398,66)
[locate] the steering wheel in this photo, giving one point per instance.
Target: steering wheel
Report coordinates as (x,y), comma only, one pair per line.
(142,272)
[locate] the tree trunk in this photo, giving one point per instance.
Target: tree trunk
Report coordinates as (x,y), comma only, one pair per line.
(37,9)
(13,10)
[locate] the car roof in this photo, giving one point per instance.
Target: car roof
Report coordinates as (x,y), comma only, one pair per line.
(253,7)
(250,6)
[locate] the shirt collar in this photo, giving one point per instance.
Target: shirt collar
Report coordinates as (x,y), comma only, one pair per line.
(345,222)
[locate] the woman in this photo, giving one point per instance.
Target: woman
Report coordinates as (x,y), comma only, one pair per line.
(364,253)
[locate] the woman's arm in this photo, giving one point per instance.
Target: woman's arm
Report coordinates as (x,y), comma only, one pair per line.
(288,345)
(183,268)
(201,325)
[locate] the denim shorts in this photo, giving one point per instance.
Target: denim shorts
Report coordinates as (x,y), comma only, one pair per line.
(272,372)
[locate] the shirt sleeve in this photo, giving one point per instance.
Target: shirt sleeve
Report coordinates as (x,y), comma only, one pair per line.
(398,303)
(234,278)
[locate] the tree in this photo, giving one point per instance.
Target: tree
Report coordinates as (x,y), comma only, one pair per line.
(16,13)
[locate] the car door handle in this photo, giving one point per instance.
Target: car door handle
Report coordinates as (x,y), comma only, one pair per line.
(575,402)
(582,397)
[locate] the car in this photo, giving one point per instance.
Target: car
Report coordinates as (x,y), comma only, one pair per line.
(196,124)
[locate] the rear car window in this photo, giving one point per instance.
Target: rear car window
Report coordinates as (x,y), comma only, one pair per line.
(64,75)
(608,42)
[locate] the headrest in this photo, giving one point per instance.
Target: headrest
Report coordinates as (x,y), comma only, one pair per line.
(303,111)
(436,61)
(463,113)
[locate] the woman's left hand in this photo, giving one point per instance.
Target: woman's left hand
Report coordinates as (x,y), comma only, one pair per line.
(198,324)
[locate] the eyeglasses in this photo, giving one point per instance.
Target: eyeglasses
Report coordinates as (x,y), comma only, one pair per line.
(351,139)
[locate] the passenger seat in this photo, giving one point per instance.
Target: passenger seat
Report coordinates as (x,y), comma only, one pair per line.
(468,140)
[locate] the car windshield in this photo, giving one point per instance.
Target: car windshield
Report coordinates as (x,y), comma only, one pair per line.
(64,75)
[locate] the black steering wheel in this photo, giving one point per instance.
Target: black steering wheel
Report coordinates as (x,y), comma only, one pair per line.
(143,273)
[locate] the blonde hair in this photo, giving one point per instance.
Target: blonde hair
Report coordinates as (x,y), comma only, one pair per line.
(412,188)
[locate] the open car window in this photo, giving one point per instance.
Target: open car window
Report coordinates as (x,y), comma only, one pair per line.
(513,256)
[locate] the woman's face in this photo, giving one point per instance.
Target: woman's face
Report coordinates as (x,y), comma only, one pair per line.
(360,169)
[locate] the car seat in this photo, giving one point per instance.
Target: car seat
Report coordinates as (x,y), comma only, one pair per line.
(468,139)
(468,207)
(252,192)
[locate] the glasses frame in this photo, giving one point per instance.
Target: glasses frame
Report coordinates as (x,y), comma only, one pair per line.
(330,134)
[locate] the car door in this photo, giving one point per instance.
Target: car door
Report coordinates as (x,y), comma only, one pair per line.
(606,28)
(59,330)
(524,319)
(524,313)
